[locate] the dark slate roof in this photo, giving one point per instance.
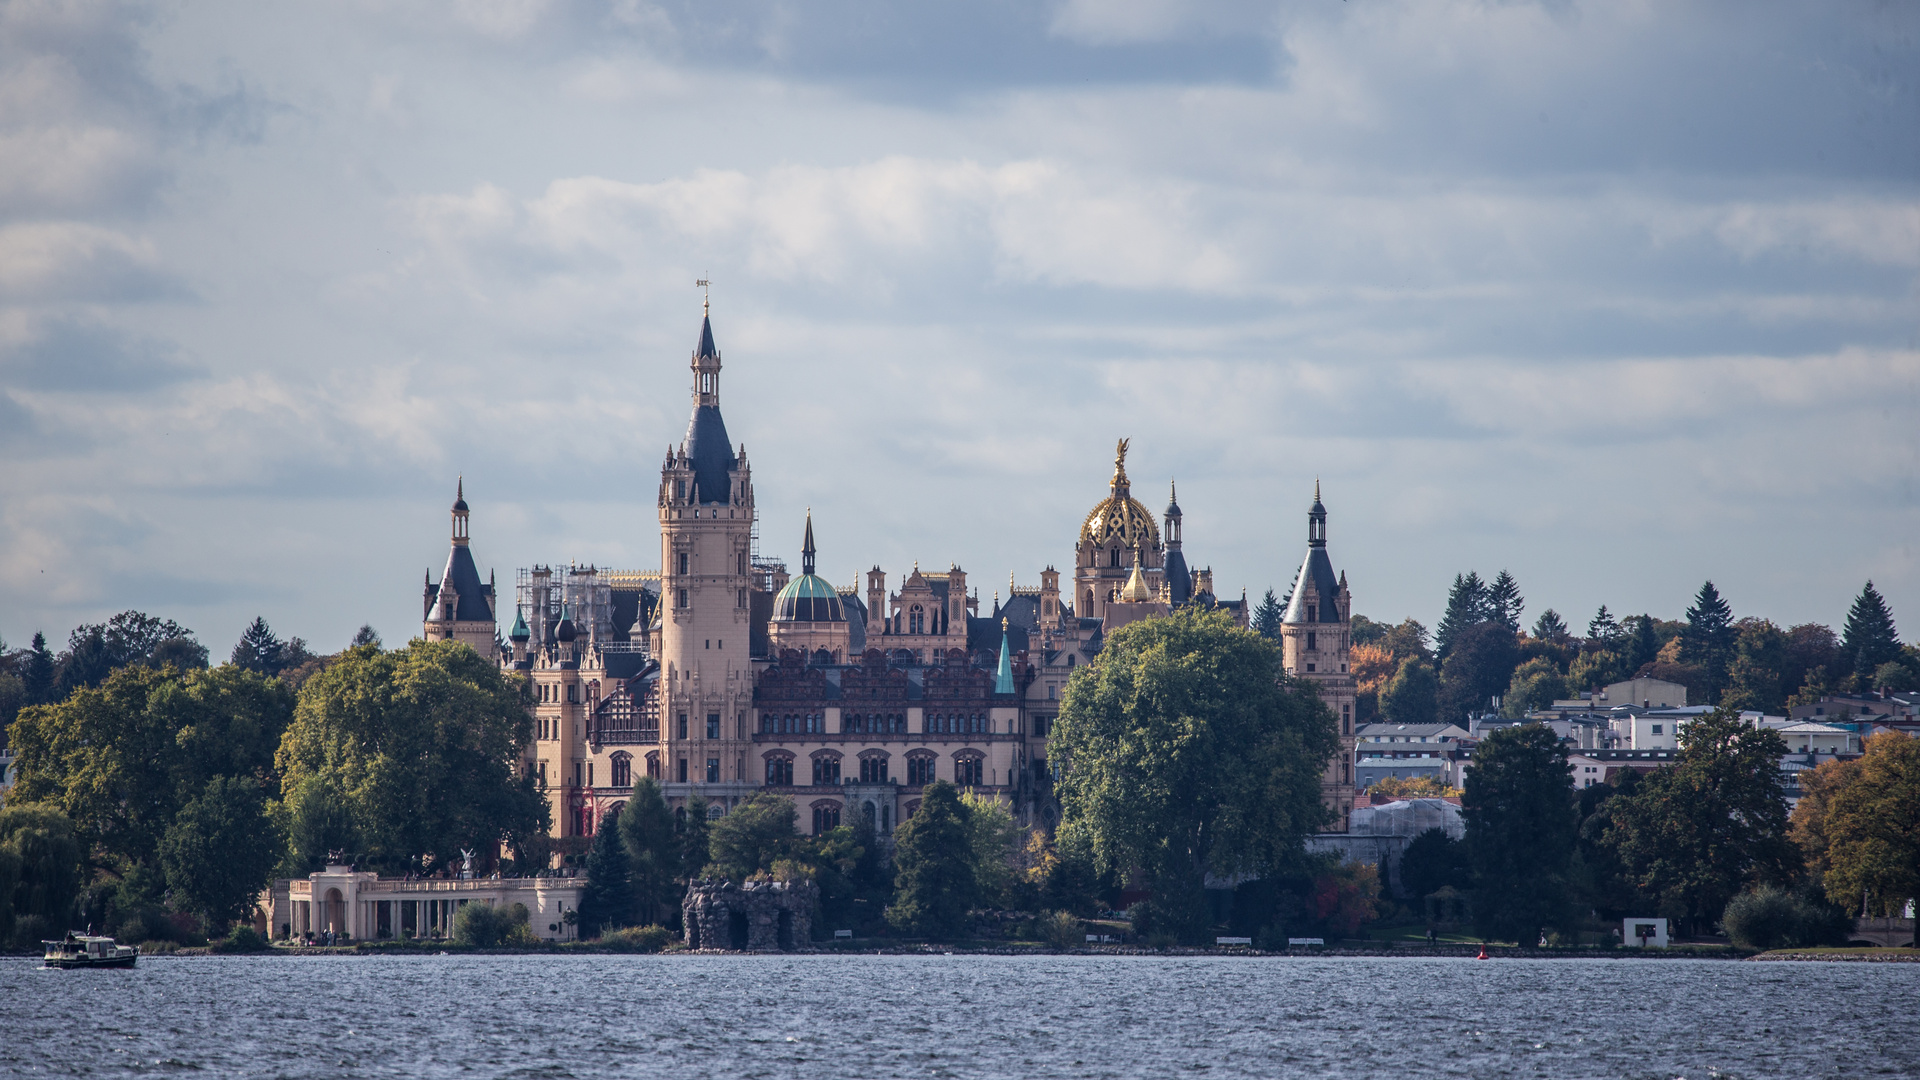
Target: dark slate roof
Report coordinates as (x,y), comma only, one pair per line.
(706,347)
(625,665)
(856,610)
(1022,611)
(476,597)
(1179,578)
(1318,585)
(710,454)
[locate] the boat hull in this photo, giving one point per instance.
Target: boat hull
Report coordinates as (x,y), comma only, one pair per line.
(92,961)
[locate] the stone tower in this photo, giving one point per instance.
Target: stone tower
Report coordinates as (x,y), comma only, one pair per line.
(1118,532)
(706,541)
(1316,634)
(461,606)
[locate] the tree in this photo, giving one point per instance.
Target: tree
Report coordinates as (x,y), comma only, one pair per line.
(1754,681)
(1504,602)
(1872,828)
(1700,831)
(259,650)
(1536,684)
(1642,643)
(1869,638)
(993,838)
(934,884)
(1409,639)
(420,746)
(97,650)
(1267,616)
(1188,750)
(653,850)
(1770,917)
(38,672)
(692,826)
(1476,670)
(1808,824)
(42,858)
(1594,669)
(607,902)
(1412,696)
(752,837)
(366,635)
(219,852)
(1811,648)
(1551,627)
(1519,814)
(1709,638)
(1433,861)
(1466,606)
(1602,630)
(122,759)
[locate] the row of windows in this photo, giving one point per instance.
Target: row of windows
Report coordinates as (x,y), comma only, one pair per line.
(814,723)
(967,771)
(549,693)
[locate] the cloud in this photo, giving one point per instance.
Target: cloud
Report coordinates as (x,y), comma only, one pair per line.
(69,261)
(82,354)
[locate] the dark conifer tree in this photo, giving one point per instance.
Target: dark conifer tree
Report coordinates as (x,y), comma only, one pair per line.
(1266,616)
(607,903)
(695,844)
(1643,645)
(259,650)
(1869,639)
(1466,606)
(933,878)
(1550,627)
(1602,628)
(1519,814)
(1504,602)
(366,635)
(38,671)
(1709,638)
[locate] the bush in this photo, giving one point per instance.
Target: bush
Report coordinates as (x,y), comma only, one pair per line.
(485,926)
(1771,918)
(242,939)
(641,939)
(1271,939)
(1062,930)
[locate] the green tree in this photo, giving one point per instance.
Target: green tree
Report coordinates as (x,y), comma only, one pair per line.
(420,746)
(1642,643)
(1519,813)
(1412,696)
(1709,639)
(1872,828)
(1896,676)
(1551,627)
(752,837)
(934,884)
(366,635)
(38,672)
(1698,832)
(1602,630)
(1811,646)
(97,650)
(1433,861)
(1477,670)
(1869,638)
(42,859)
(1188,750)
(1595,668)
(1267,616)
(1536,684)
(220,850)
(258,649)
(1466,607)
(1755,679)
(994,840)
(693,827)
(653,851)
(1504,602)
(122,759)
(1599,878)
(607,902)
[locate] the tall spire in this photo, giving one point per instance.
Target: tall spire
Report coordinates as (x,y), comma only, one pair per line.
(460,534)
(806,546)
(1316,520)
(1119,484)
(1003,675)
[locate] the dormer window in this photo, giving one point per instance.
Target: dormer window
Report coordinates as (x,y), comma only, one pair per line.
(679,489)
(1313,615)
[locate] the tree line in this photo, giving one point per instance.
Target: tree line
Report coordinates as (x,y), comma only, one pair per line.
(1480,659)
(155,795)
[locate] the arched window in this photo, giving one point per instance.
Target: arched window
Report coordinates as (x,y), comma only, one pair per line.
(920,768)
(967,771)
(653,765)
(826,770)
(826,815)
(1089,602)
(1113,558)
(622,770)
(916,620)
(779,771)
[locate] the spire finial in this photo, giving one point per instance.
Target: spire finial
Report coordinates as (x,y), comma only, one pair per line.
(1316,489)
(806,546)
(1003,625)
(460,487)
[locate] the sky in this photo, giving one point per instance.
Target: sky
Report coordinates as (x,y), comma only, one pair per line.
(1617,296)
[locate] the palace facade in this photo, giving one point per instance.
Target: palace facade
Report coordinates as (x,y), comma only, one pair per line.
(721,674)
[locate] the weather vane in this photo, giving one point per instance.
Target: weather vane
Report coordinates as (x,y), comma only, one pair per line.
(706,300)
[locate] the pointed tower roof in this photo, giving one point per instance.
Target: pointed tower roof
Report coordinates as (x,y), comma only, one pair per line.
(1136,590)
(706,447)
(806,546)
(520,631)
(1316,589)
(1003,674)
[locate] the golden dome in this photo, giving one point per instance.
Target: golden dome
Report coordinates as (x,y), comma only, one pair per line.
(1120,517)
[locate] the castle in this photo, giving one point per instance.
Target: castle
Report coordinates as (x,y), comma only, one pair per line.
(720,675)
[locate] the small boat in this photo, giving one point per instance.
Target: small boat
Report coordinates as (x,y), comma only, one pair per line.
(87,951)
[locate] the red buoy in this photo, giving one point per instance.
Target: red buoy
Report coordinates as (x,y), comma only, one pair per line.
(1483,952)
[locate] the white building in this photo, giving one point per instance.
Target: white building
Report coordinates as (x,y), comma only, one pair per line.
(367,907)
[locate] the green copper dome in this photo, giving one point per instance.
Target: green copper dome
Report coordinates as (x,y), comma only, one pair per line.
(808,598)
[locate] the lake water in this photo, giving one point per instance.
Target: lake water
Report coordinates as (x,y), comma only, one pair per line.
(849,1018)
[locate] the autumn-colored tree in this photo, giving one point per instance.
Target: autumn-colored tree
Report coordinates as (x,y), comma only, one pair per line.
(1808,826)
(1413,787)
(1872,828)
(1372,666)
